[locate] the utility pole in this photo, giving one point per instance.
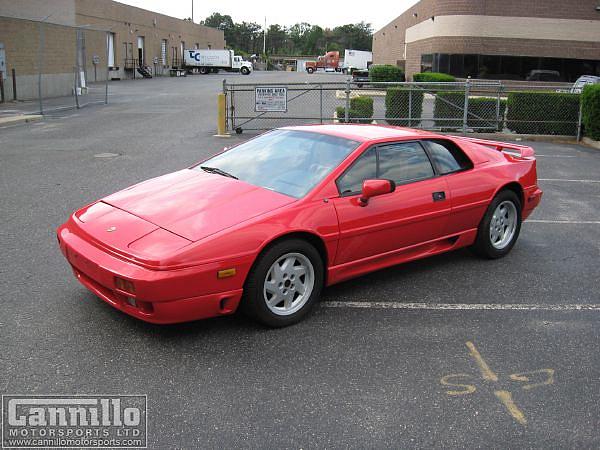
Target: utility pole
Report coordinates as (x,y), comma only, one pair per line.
(192,11)
(265,37)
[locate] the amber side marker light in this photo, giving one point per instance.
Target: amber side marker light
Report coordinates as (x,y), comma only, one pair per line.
(124,285)
(225,273)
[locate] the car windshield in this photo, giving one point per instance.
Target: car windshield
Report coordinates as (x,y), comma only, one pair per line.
(286,161)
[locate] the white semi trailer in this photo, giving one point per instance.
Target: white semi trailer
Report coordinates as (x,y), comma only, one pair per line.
(356,60)
(214,60)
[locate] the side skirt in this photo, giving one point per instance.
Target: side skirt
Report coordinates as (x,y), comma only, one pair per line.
(342,272)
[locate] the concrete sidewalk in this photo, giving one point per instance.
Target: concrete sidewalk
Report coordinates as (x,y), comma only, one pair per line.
(14,119)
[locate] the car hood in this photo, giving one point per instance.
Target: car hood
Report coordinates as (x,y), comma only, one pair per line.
(195,204)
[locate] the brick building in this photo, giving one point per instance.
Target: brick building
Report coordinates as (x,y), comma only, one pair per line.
(499,39)
(59,35)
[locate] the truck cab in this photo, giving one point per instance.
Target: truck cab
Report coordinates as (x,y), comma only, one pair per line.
(238,62)
(330,61)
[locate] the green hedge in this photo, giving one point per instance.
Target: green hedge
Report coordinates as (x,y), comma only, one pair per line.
(386,73)
(482,112)
(433,77)
(360,108)
(396,106)
(590,108)
(543,113)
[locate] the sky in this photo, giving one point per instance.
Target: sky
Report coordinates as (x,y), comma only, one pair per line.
(316,12)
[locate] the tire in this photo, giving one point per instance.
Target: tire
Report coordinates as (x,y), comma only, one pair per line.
(337,69)
(310,70)
(204,70)
(500,227)
(274,296)
(245,71)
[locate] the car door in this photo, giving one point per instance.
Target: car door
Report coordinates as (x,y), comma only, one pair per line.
(469,190)
(416,212)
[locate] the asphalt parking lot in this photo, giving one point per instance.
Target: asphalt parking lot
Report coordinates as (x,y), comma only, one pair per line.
(451,351)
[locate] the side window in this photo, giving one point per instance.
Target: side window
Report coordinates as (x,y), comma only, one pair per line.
(447,157)
(364,168)
(404,162)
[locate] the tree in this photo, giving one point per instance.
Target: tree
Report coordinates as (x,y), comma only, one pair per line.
(299,39)
(277,40)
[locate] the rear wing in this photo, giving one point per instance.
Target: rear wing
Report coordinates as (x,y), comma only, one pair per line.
(520,151)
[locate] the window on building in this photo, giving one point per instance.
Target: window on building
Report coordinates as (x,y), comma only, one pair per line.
(509,67)
(457,64)
(426,63)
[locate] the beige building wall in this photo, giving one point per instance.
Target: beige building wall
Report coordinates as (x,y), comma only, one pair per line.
(550,28)
(93,19)
(56,60)
(129,23)
(61,12)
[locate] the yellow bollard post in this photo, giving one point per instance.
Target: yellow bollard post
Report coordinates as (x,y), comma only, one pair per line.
(221,118)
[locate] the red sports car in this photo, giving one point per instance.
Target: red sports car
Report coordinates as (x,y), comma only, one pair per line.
(266,224)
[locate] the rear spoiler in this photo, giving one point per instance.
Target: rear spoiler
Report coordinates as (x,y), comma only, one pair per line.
(520,151)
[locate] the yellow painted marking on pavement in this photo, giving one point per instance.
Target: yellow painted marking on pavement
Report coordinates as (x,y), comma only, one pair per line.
(506,398)
(486,372)
(525,377)
(531,379)
(447,381)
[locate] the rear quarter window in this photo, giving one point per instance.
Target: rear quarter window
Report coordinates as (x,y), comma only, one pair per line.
(447,156)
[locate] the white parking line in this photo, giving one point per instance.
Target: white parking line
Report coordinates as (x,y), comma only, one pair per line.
(574,222)
(462,306)
(568,181)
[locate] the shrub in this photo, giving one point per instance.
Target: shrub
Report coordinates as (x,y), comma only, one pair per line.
(386,73)
(361,110)
(397,102)
(433,77)
(590,108)
(481,115)
(543,113)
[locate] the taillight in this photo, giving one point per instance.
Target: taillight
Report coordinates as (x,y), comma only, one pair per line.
(125,285)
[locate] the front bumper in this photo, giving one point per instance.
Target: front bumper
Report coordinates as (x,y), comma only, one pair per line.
(161,296)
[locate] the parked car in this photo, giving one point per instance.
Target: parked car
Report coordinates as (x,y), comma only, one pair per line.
(582,81)
(265,225)
(544,75)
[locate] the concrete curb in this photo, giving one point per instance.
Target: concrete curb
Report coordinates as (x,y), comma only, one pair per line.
(20,118)
(591,143)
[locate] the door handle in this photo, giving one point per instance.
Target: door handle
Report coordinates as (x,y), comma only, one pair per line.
(439,196)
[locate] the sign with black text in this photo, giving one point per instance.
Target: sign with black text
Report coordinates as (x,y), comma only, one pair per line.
(270,99)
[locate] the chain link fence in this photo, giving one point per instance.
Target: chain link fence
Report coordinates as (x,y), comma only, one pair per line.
(469,107)
(66,69)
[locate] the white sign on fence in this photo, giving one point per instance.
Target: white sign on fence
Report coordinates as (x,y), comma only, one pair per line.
(270,99)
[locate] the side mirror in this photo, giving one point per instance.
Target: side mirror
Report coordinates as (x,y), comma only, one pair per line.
(373,188)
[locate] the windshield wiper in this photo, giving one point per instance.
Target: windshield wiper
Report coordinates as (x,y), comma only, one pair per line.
(218,171)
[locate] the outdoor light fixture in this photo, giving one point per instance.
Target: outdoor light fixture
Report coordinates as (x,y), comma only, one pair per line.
(415,15)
